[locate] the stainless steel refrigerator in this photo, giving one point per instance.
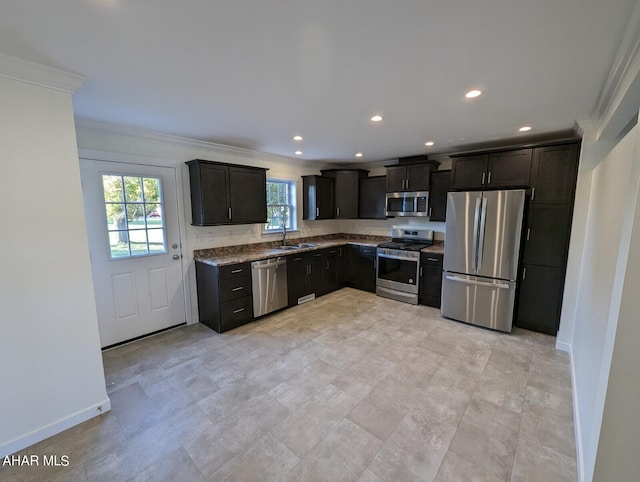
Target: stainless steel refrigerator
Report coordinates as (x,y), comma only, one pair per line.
(481,250)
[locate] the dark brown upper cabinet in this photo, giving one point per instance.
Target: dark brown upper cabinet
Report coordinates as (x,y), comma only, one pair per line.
(227,193)
(317,197)
(347,186)
(508,169)
(440,182)
(553,174)
(409,176)
(371,199)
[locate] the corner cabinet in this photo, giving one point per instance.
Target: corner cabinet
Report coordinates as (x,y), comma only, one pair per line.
(317,197)
(346,189)
(227,193)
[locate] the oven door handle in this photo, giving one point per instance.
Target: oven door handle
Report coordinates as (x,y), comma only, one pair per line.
(401,258)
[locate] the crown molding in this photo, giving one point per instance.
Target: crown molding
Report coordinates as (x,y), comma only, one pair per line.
(138,133)
(624,69)
(37,74)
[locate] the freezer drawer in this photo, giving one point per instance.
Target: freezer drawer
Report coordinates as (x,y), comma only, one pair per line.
(479,301)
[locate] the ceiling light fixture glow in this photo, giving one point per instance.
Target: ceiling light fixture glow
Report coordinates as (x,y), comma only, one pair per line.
(358,154)
(525,128)
(429,144)
(297,138)
(473,93)
(298,153)
(376,118)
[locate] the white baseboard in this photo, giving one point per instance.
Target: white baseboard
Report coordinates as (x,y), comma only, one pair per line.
(563,346)
(576,414)
(54,428)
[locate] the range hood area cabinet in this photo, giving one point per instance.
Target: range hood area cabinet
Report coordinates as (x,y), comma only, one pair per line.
(347,186)
(227,193)
(410,174)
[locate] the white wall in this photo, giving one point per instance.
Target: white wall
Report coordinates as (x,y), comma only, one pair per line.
(617,456)
(605,223)
(52,374)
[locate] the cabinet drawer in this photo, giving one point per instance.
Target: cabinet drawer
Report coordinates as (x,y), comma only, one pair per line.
(234,288)
(235,313)
(234,270)
(368,252)
(431,258)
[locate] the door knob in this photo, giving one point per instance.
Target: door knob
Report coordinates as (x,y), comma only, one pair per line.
(176,256)
(174,246)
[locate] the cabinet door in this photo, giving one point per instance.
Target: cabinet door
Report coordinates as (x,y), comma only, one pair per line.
(352,265)
(324,198)
(367,269)
(469,172)
(440,182)
(331,273)
(371,198)
(296,278)
(346,189)
(396,176)
(418,177)
(211,182)
(315,277)
(509,169)
(553,173)
(547,234)
(248,189)
(540,299)
(430,284)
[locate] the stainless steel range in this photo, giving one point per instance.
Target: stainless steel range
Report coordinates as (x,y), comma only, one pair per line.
(398,266)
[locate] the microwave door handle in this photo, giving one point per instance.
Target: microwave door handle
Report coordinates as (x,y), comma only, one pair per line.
(476,222)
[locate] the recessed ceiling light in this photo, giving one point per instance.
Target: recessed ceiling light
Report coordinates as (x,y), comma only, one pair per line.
(376,118)
(525,128)
(429,144)
(297,138)
(472,93)
(358,154)
(298,153)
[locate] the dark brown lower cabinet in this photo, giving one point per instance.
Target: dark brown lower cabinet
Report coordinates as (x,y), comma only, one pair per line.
(224,295)
(430,289)
(361,267)
(540,298)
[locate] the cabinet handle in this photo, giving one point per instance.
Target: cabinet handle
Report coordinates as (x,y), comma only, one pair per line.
(432,259)
(420,270)
(533,193)
(524,274)
(238,288)
(309,266)
(528,233)
(229,213)
(233,271)
(483,178)
(238,311)
(338,211)
(317,212)
(407,187)
(489,178)
(429,212)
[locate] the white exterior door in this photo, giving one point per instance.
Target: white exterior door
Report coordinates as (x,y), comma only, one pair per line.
(134,240)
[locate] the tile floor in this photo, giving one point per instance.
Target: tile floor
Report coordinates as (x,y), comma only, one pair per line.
(347,387)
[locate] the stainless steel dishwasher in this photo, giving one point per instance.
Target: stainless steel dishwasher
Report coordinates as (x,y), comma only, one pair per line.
(269,285)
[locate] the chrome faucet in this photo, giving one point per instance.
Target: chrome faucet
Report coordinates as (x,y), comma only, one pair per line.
(284,228)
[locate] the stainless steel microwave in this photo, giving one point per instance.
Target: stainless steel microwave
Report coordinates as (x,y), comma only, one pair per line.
(407,203)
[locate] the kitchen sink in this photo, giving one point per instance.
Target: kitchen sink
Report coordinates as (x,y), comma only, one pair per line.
(297,246)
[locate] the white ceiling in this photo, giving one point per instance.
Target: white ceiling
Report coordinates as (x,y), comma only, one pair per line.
(254,73)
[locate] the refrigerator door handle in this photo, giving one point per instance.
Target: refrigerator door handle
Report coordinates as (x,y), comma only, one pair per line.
(483,222)
(478,283)
(476,221)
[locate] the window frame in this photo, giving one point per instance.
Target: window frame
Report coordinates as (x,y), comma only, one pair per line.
(292,190)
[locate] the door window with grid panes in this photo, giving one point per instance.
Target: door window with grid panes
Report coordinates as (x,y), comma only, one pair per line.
(135,218)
